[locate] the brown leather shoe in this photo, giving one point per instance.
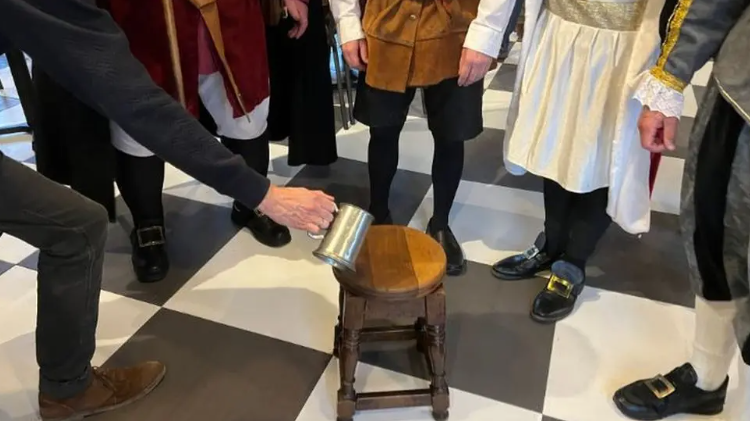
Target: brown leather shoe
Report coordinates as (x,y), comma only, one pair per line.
(110,388)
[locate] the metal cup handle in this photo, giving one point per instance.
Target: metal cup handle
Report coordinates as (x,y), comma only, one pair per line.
(319,237)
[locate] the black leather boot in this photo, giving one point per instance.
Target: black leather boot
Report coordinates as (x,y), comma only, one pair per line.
(558,298)
(663,396)
(456,264)
(255,152)
(525,265)
(149,256)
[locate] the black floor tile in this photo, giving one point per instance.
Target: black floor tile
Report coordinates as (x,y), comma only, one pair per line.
(348,182)
(5,266)
(195,232)
(652,265)
(488,328)
(548,418)
(505,78)
(31,262)
(483,163)
(216,372)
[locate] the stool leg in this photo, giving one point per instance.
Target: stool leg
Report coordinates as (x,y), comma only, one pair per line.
(353,322)
(435,332)
(419,326)
(337,329)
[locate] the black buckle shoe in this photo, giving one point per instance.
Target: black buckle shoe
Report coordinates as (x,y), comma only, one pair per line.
(150,259)
(558,298)
(456,262)
(525,265)
(263,228)
(663,396)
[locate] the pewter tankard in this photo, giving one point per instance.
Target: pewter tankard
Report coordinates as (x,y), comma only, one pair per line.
(343,241)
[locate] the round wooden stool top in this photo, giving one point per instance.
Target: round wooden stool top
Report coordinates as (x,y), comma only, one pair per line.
(395,263)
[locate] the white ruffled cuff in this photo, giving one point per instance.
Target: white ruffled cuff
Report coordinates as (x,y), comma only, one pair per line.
(657,96)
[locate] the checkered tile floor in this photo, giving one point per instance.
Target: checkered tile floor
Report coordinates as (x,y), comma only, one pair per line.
(247,331)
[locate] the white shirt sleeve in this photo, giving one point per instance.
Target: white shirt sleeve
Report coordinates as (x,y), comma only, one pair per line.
(348,16)
(657,96)
(487,30)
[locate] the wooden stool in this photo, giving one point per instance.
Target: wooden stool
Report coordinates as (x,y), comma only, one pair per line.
(399,274)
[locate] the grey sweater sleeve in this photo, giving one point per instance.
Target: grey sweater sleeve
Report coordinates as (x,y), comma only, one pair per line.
(695,33)
(82,48)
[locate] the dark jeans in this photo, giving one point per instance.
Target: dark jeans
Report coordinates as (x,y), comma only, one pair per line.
(70,232)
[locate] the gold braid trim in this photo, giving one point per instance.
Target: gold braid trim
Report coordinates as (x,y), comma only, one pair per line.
(673,34)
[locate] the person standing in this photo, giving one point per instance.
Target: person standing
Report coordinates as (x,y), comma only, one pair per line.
(446,48)
(715,215)
(209,52)
(301,108)
(573,123)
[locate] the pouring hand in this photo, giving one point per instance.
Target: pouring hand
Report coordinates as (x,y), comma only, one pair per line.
(299,208)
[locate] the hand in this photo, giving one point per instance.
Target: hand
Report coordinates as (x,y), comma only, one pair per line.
(355,54)
(298,11)
(298,208)
(657,131)
(472,67)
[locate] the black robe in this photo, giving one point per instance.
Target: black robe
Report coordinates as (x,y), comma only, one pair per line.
(301,106)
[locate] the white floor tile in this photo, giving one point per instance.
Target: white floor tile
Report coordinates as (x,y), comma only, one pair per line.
(321,405)
(13,250)
(415,148)
(702,76)
(20,151)
(491,222)
(495,108)
(119,319)
(612,340)
(12,117)
(690,108)
(666,194)
(282,293)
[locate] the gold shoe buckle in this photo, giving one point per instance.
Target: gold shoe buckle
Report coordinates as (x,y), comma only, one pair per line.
(660,386)
(560,286)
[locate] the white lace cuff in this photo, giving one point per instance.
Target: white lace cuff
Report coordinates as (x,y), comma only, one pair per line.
(657,96)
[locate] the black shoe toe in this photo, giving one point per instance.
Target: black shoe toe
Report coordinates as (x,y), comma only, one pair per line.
(455,260)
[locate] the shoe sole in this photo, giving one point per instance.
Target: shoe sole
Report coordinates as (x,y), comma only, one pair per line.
(504,277)
(548,320)
(706,413)
(77,417)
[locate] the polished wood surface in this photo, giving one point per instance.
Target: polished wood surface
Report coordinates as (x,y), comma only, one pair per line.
(396,263)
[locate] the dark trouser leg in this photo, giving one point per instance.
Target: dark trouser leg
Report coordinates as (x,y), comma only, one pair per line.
(385,113)
(70,232)
(256,153)
(558,204)
(447,168)
(454,115)
(382,164)
(588,223)
(141,181)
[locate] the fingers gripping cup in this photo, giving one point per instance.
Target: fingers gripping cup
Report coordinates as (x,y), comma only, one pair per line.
(342,242)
